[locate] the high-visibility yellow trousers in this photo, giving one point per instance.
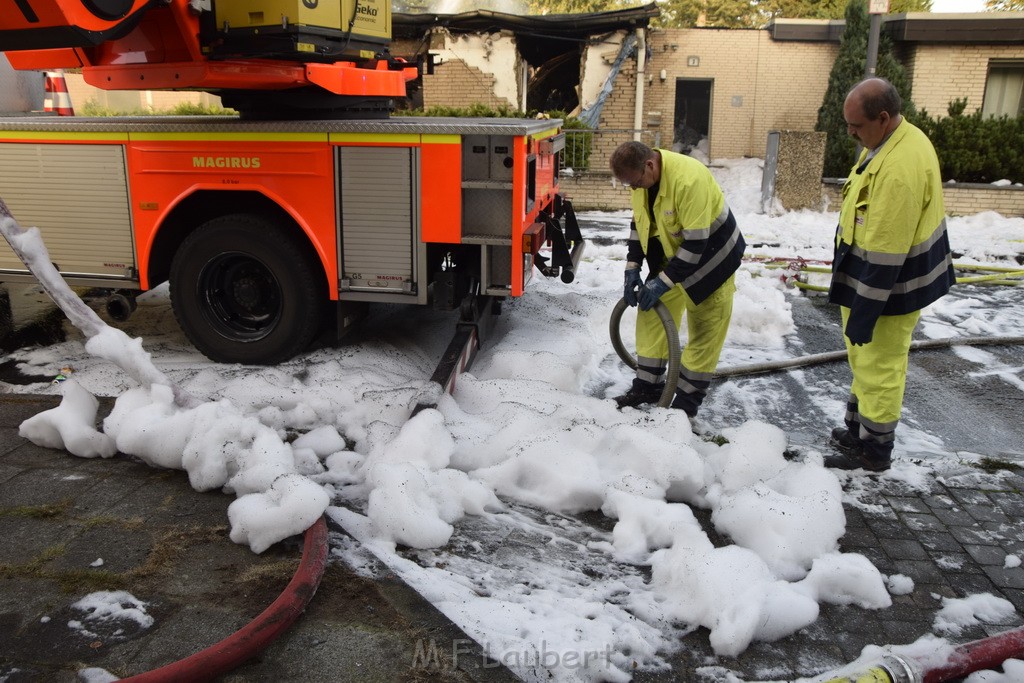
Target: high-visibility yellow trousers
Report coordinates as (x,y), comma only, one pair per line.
(879,379)
(706,326)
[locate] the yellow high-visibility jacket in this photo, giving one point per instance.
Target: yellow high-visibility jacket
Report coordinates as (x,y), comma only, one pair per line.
(892,252)
(694,228)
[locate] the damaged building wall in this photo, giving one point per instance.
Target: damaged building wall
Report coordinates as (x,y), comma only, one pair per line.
(616,121)
(756,85)
(473,69)
(742,68)
(596,66)
(594,187)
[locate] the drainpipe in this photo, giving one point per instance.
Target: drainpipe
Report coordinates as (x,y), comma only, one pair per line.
(641,74)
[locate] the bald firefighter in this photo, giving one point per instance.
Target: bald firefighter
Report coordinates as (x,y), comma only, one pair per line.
(685,231)
(892,258)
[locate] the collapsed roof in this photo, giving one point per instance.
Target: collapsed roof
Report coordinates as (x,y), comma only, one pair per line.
(564,26)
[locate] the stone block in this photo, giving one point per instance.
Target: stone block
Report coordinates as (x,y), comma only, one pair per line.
(792,170)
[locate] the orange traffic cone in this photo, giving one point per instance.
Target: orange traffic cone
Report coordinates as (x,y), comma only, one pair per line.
(57,98)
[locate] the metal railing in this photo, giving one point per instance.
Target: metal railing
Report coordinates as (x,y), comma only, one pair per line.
(589,149)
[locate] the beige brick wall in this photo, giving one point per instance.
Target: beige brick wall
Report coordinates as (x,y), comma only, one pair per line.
(724,57)
(960,200)
(456,84)
(942,73)
(1008,201)
(748,100)
(758,85)
(596,192)
(792,78)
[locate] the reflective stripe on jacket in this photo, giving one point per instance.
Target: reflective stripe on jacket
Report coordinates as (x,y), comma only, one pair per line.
(692,224)
(892,252)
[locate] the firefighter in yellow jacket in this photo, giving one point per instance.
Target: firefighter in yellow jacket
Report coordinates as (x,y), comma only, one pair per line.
(892,258)
(685,231)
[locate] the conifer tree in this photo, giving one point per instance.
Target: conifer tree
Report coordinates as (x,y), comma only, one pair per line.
(847,71)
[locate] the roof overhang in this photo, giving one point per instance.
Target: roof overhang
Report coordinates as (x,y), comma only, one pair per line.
(913,27)
(812,30)
(980,27)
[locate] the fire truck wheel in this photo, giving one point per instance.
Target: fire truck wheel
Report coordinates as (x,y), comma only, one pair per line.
(244,291)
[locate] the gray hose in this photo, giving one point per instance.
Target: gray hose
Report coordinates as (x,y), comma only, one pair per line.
(829,356)
(669,323)
(771,366)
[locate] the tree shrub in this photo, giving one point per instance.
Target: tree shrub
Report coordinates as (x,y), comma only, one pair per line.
(972,149)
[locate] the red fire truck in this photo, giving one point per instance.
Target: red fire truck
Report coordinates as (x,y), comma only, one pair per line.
(311,204)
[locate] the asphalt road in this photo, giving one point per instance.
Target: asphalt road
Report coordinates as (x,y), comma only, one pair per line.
(972,408)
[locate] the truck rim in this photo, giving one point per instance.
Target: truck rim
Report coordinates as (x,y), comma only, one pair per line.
(243,298)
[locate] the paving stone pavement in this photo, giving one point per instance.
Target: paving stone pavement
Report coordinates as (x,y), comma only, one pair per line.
(952,542)
(168,545)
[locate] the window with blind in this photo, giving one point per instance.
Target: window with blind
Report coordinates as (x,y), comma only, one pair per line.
(1004,90)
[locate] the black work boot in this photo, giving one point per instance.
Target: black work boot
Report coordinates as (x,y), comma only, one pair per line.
(687,404)
(858,459)
(843,440)
(640,393)
(854,453)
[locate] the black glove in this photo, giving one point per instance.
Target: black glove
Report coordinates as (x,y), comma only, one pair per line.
(631,285)
(651,292)
(858,338)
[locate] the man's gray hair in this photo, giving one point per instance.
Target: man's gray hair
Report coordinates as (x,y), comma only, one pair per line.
(629,156)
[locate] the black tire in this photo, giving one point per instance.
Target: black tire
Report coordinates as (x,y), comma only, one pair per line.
(245,291)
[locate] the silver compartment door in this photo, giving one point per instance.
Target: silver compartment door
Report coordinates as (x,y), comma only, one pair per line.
(378,236)
(77,195)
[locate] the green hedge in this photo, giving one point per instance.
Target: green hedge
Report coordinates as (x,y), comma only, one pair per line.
(972,149)
(474,110)
(92,108)
(578,145)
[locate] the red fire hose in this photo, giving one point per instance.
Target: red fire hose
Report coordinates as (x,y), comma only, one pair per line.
(252,639)
(977,655)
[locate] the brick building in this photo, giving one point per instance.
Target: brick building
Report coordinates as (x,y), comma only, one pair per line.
(719,90)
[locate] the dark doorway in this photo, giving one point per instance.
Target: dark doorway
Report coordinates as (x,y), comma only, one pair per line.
(693,114)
